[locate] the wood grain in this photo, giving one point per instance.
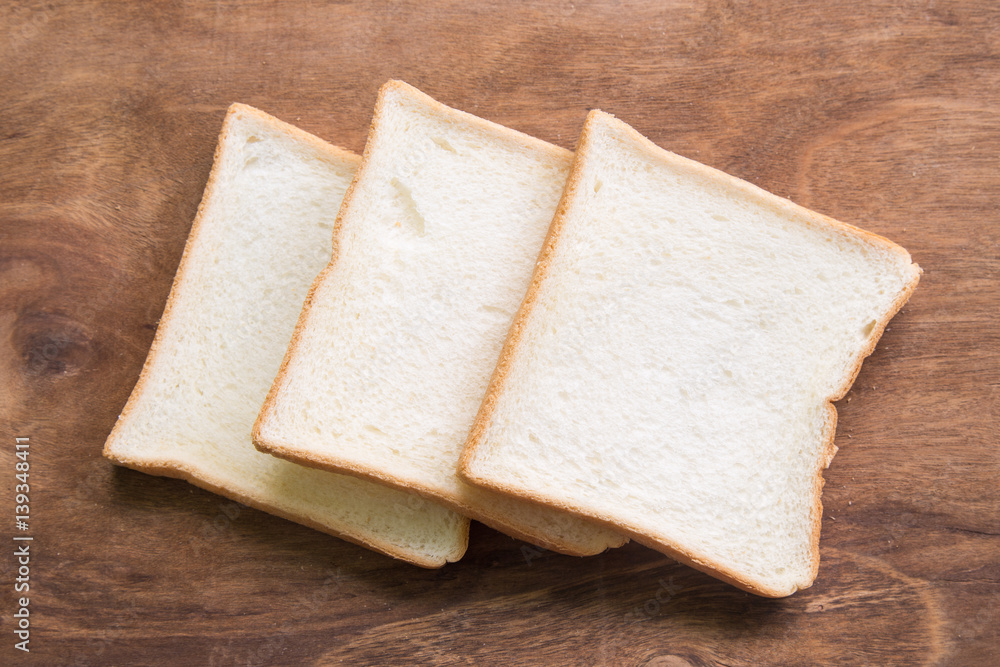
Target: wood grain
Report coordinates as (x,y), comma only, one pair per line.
(883,114)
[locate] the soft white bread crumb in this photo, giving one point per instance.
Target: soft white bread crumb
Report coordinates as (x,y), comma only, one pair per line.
(672,368)
(434,249)
(262,233)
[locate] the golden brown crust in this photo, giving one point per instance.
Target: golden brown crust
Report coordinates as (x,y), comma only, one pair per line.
(167,316)
(511,137)
(442,497)
(297,455)
(169,468)
(194,234)
(512,344)
(180,471)
(498,379)
(261,443)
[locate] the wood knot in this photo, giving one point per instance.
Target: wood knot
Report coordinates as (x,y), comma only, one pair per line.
(51,344)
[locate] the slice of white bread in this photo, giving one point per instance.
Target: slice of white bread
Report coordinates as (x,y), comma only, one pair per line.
(671,370)
(434,248)
(262,233)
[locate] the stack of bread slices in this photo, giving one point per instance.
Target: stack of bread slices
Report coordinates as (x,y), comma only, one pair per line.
(468,322)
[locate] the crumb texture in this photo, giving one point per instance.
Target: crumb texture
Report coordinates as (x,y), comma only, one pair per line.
(674,373)
(264,232)
(435,252)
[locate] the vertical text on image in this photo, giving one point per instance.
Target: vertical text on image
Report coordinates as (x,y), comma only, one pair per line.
(22,543)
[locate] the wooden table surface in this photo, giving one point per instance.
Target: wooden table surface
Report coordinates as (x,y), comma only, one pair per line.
(882,114)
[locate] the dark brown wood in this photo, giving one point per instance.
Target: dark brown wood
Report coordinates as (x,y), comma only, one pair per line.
(880,114)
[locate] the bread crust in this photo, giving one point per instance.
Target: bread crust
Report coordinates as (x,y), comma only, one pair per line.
(167,467)
(512,347)
(452,502)
(198,478)
(287,451)
(195,233)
